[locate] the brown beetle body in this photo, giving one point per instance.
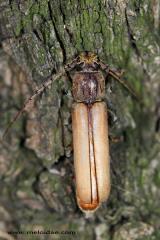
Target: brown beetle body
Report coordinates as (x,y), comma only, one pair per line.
(90,133)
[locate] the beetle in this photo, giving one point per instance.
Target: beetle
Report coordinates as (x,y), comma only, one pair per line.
(90,130)
(89,127)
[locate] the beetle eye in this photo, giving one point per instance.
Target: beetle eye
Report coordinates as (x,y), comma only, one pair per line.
(81,63)
(78,59)
(97,59)
(95,63)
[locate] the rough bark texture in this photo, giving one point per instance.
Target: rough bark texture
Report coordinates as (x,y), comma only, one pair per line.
(36,163)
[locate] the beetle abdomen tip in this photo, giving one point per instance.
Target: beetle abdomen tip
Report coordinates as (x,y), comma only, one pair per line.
(88,206)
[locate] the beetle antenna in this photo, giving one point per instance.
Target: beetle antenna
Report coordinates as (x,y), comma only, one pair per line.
(37,92)
(117,76)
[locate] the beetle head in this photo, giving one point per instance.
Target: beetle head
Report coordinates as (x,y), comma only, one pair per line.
(87,61)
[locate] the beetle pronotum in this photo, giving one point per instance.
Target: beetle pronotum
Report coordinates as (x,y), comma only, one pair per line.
(90,127)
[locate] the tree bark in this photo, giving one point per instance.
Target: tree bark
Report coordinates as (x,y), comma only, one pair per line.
(37,175)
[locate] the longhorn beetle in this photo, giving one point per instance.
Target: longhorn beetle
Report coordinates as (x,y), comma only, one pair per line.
(89,126)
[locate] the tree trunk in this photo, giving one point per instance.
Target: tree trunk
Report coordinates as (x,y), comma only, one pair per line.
(37,176)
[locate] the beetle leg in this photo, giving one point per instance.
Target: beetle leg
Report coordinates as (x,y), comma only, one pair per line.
(70,66)
(115,139)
